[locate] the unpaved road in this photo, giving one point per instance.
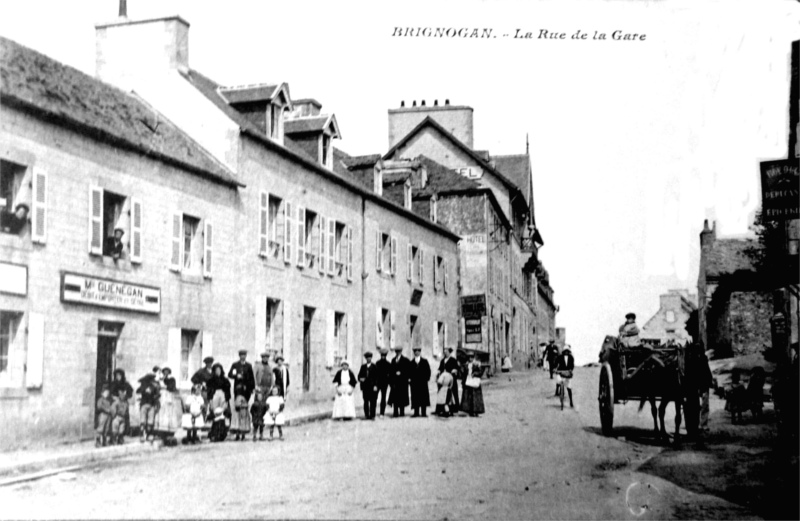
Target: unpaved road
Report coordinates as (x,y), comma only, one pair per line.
(523,459)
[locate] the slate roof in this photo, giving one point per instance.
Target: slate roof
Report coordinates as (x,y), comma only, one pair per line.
(515,167)
(306,124)
(65,96)
(729,256)
(210,89)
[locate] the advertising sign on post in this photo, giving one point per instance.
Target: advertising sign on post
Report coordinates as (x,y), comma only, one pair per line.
(473,306)
(780,189)
(472,330)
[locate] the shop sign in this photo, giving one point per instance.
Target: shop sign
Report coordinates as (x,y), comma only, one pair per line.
(13,279)
(94,291)
(473,306)
(780,189)
(472,330)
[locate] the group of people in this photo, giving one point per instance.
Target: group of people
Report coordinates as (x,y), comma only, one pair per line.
(562,364)
(401,382)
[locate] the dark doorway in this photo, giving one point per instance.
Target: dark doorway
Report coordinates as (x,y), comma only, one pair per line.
(308,315)
(107,337)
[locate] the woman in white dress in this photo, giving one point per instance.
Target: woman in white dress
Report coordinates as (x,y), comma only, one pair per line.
(344,406)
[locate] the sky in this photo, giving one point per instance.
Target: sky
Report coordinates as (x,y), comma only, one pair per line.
(633,143)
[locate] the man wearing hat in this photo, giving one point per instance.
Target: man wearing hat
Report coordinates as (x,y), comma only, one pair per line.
(629,331)
(14,222)
(264,376)
(449,364)
(202,375)
(113,246)
(242,372)
(382,371)
(565,363)
(419,375)
(369,386)
(281,373)
(398,378)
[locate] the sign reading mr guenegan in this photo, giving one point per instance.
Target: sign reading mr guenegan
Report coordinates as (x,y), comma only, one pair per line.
(82,289)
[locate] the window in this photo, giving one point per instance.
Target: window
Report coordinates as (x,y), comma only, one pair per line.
(413,331)
(377,181)
(15,197)
(432,215)
(670,316)
(412,262)
(407,195)
(339,337)
(385,253)
(191,245)
(439,337)
(9,324)
(274,229)
(311,236)
(275,121)
(191,354)
(384,331)
(115,225)
(274,327)
(340,248)
(325,151)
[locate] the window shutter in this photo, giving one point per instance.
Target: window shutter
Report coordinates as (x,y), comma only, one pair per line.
(435,336)
(349,336)
(136,231)
(287,232)
(207,248)
(435,274)
(349,261)
(287,331)
(39,210)
(260,306)
(301,236)
(421,266)
(444,275)
(174,350)
(392,336)
(409,261)
(491,274)
(263,224)
(330,344)
(445,335)
(208,344)
(35,361)
(331,246)
(323,241)
(378,251)
(175,261)
(378,327)
(393,261)
(16,355)
(95,220)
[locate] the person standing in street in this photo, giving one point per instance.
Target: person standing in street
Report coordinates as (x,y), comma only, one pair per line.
(382,371)
(264,377)
(565,366)
(473,394)
(418,377)
(281,381)
(398,379)
(149,390)
(551,356)
(369,386)
(242,372)
(200,378)
(344,405)
(451,366)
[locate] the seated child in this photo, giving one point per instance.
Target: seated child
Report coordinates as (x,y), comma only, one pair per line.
(275,405)
(196,405)
(219,430)
(119,414)
(240,421)
(103,417)
(257,411)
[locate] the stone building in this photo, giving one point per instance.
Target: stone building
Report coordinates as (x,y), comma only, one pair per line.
(734,307)
(669,322)
(306,263)
(495,219)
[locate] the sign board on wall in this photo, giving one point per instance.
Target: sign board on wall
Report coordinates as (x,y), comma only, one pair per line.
(13,279)
(473,306)
(82,289)
(472,331)
(780,189)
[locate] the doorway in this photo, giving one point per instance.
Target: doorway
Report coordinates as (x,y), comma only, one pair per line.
(308,315)
(107,338)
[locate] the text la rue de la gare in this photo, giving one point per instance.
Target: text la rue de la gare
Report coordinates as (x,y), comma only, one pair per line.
(517,34)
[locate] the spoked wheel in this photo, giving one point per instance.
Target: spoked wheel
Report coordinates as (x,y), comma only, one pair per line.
(561,393)
(606,399)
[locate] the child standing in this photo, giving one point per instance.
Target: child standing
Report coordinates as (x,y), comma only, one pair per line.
(240,422)
(257,411)
(103,417)
(119,416)
(275,405)
(195,404)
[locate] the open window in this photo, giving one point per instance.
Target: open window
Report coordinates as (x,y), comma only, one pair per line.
(15,197)
(115,225)
(192,240)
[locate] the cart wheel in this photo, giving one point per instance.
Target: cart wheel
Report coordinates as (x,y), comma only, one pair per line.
(606,399)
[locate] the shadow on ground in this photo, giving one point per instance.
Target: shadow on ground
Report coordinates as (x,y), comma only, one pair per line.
(632,435)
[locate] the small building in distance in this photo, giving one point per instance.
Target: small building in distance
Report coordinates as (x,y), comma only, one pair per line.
(669,322)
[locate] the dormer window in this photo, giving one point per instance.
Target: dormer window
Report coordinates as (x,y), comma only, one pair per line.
(407,195)
(326,157)
(275,122)
(377,186)
(262,105)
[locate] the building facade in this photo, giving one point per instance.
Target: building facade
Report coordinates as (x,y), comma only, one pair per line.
(669,322)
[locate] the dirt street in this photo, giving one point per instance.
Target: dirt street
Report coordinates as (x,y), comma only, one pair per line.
(523,459)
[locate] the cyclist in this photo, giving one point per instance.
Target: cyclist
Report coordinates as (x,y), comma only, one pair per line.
(565,366)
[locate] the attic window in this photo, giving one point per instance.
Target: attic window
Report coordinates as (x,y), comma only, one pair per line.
(325,151)
(275,122)
(407,195)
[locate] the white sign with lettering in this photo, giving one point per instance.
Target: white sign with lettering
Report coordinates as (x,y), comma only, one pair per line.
(82,289)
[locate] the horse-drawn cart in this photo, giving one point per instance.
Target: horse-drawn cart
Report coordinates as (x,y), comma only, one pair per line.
(644,372)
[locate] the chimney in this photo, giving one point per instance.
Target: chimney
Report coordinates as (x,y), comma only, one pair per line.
(708,235)
(402,103)
(414,104)
(423,103)
(123,8)
(446,102)
(131,53)
(436,103)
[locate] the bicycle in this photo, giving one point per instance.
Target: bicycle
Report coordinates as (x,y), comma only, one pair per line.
(563,379)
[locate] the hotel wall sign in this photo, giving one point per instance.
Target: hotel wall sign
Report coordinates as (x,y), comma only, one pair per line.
(82,289)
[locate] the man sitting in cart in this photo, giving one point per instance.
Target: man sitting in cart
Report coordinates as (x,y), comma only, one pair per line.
(629,331)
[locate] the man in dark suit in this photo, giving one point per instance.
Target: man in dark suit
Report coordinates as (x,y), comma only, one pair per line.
(398,379)
(419,376)
(242,372)
(382,369)
(281,373)
(369,386)
(450,365)
(113,246)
